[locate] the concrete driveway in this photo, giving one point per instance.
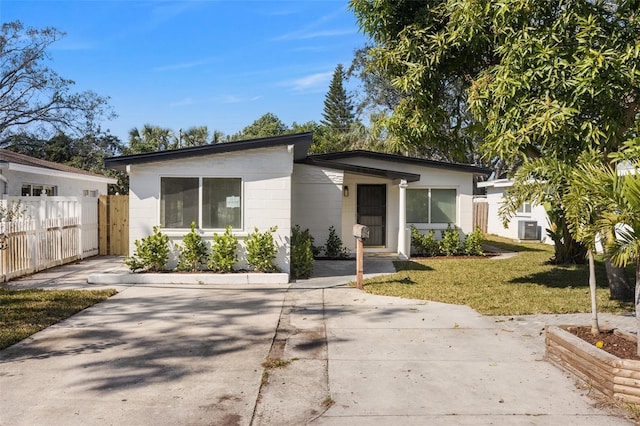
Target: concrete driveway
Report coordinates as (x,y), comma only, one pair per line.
(192,355)
(161,355)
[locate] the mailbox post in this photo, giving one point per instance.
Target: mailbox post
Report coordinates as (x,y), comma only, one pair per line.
(361,232)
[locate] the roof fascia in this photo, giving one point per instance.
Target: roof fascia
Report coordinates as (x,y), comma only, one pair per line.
(57,173)
(301,143)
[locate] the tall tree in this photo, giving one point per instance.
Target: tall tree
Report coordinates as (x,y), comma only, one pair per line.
(194,136)
(266,126)
(338,113)
(149,139)
(33,96)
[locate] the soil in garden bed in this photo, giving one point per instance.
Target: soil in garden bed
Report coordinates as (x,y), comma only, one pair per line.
(612,343)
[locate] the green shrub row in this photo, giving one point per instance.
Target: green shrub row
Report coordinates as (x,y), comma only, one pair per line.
(152,252)
(449,244)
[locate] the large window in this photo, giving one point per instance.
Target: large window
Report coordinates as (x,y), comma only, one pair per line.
(218,201)
(431,205)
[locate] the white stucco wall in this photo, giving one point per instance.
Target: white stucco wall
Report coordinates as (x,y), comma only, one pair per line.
(495,198)
(266,194)
(430,177)
(317,200)
(67,184)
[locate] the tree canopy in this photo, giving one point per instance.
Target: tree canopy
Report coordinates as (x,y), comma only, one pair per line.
(338,113)
(33,97)
(540,77)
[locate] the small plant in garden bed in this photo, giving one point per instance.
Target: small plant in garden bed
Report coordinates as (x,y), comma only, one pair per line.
(301,253)
(426,245)
(333,248)
(262,250)
(152,253)
(193,251)
(224,254)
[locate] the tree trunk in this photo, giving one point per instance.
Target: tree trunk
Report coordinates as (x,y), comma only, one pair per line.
(619,287)
(595,329)
(638,302)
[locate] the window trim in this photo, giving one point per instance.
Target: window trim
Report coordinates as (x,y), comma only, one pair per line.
(54,189)
(430,223)
(522,211)
(200,200)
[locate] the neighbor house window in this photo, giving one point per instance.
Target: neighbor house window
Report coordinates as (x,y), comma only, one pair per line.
(90,192)
(525,208)
(217,201)
(29,189)
(431,205)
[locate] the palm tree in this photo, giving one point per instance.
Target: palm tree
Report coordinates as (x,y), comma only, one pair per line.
(599,192)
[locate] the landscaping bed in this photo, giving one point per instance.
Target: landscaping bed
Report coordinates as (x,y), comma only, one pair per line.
(611,375)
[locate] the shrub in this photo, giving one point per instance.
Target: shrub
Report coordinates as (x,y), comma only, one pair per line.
(151,254)
(333,248)
(193,251)
(261,250)
(424,244)
(224,254)
(473,243)
(301,253)
(450,241)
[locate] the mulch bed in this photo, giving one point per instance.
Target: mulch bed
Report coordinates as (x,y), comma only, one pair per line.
(612,343)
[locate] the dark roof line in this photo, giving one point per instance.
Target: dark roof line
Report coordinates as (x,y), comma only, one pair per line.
(301,142)
(333,156)
(368,171)
(25,160)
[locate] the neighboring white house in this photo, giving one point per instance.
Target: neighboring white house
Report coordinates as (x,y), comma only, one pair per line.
(21,175)
(273,181)
(529,223)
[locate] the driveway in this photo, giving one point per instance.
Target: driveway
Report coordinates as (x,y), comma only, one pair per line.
(162,355)
(192,355)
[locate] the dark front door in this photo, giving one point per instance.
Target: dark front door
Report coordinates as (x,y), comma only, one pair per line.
(372,212)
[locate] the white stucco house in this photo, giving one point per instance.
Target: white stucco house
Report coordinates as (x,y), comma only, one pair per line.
(530,222)
(24,176)
(273,181)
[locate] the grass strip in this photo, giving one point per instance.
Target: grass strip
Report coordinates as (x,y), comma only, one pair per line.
(25,312)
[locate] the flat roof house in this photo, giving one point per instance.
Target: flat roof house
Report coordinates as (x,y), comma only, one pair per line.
(273,181)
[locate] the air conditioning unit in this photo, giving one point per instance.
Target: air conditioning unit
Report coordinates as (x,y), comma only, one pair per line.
(527,230)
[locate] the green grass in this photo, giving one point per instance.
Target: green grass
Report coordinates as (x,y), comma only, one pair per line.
(524,284)
(25,312)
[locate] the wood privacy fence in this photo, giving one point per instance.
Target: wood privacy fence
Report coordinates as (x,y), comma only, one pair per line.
(114,225)
(45,232)
(480,213)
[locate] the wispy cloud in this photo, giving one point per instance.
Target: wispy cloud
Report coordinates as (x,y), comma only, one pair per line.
(316,29)
(184,65)
(182,102)
(234,99)
(304,35)
(311,83)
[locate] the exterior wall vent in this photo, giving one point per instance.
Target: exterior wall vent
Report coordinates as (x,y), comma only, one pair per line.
(527,230)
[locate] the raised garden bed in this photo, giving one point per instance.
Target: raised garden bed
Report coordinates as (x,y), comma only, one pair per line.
(188,278)
(615,377)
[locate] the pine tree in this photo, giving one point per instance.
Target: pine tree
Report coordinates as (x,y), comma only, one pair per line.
(338,110)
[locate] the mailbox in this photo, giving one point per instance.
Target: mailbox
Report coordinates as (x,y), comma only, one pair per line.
(361,231)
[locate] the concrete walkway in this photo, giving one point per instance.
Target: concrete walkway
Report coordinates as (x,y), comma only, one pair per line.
(177,355)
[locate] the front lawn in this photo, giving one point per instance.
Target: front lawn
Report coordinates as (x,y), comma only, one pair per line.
(523,284)
(25,312)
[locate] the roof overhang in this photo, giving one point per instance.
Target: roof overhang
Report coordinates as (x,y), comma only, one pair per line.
(361,170)
(56,173)
(337,156)
(301,142)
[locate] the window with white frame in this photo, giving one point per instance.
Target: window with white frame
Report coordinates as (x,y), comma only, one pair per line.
(31,189)
(431,205)
(524,209)
(90,192)
(209,202)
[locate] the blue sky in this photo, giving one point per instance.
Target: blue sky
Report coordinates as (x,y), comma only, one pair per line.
(179,64)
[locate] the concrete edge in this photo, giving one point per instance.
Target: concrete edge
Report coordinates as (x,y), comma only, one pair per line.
(180,278)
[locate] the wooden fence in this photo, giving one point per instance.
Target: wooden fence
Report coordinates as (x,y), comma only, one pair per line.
(480,213)
(45,232)
(114,225)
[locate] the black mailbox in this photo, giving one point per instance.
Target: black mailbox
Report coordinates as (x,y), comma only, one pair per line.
(361,231)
